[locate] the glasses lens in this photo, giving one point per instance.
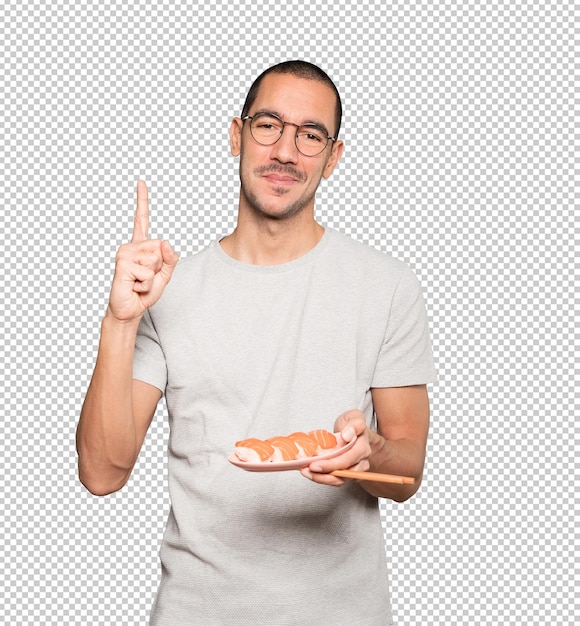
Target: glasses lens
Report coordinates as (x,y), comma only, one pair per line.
(266,129)
(311,140)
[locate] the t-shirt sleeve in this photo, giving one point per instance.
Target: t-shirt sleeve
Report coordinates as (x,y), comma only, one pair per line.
(149,363)
(406,357)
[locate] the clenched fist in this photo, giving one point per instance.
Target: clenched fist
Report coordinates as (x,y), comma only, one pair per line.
(143,267)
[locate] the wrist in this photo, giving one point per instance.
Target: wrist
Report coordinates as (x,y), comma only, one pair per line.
(112,324)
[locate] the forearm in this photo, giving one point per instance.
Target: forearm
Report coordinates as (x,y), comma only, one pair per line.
(106,434)
(402,457)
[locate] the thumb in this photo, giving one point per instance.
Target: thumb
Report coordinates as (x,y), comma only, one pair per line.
(170,259)
(351,424)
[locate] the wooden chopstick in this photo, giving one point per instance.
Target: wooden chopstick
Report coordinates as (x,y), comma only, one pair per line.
(379,478)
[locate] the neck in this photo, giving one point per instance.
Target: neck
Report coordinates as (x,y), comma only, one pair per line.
(272,242)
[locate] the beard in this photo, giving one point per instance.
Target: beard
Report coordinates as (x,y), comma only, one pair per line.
(261,205)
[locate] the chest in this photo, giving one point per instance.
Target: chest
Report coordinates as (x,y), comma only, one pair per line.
(269,351)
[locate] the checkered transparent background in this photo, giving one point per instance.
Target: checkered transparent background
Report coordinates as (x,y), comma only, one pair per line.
(459,159)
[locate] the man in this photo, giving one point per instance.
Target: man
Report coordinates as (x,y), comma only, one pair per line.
(281,326)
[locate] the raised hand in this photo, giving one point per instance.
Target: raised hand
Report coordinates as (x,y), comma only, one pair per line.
(143,267)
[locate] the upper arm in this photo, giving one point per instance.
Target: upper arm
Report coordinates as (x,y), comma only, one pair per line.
(145,400)
(402,413)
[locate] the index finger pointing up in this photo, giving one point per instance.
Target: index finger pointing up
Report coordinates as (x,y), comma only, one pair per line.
(141,227)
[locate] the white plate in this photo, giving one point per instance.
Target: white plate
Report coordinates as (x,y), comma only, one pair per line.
(282,466)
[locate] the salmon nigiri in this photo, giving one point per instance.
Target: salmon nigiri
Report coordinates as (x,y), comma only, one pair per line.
(324,439)
(307,445)
(254,450)
(284,449)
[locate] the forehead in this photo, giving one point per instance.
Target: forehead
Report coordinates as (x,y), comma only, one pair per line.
(296,99)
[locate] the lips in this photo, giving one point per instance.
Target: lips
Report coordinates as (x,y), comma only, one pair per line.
(277,179)
(280,175)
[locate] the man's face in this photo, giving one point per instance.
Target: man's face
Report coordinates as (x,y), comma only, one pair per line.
(278,181)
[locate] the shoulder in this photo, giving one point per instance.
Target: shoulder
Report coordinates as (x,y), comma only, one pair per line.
(190,265)
(186,279)
(349,253)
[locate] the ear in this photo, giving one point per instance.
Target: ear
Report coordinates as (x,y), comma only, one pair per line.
(335,154)
(236,136)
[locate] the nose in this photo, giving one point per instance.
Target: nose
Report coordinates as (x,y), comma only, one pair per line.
(285,150)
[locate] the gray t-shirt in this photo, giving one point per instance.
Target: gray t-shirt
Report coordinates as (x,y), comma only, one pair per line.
(255,351)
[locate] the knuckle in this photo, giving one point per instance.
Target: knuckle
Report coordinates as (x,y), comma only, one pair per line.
(148,274)
(150,246)
(122,251)
(126,251)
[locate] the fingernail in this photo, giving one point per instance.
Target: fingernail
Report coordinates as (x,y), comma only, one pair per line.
(306,473)
(348,433)
(315,468)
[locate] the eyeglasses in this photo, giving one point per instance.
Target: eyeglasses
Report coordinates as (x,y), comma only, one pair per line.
(267,128)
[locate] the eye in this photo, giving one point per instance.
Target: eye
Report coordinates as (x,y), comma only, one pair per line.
(267,123)
(312,134)
(313,137)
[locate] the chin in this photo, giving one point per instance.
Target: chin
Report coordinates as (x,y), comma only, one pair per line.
(277,210)
(282,213)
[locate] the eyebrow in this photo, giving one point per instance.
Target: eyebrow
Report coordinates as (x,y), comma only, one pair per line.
(305,123)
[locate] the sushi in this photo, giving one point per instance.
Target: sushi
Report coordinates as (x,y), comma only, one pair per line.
(298,445)
(324,439)
(285,449)
(254,450)
(306,444)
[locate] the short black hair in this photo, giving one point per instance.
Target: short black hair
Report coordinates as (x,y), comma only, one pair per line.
(301,69)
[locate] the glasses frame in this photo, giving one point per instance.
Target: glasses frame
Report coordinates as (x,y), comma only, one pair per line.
(284,124)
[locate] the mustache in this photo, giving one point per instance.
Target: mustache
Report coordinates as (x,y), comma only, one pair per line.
(285,170)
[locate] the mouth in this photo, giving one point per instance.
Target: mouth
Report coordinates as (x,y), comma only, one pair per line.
(280,180)
(280,176)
